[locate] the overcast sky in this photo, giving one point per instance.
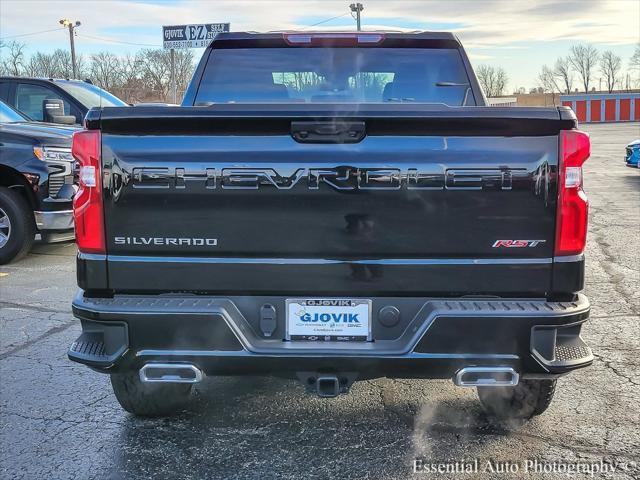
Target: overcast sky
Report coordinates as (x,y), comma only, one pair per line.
(518,35)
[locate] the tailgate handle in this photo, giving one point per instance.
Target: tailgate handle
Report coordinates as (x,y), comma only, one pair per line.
(328,132)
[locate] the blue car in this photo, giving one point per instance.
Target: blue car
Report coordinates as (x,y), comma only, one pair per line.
(632,158)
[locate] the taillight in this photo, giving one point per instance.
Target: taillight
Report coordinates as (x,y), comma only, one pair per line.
(87,203)
(573,207)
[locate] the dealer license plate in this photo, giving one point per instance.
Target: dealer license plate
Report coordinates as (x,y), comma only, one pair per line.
(329,320)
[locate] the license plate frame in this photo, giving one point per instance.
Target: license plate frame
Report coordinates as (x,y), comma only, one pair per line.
(329,331)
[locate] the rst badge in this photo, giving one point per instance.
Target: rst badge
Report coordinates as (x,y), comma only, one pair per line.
(517,243)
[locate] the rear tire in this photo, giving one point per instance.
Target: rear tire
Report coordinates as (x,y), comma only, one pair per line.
(17,226)
(149,399)
(524,401)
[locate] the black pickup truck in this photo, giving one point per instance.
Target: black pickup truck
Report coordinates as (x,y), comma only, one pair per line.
(37,183)
(332,207)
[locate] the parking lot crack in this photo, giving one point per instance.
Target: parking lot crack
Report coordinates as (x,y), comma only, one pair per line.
(26,306)
(616,280)
(403,416)
(29,343)
(59,419)
(609,366)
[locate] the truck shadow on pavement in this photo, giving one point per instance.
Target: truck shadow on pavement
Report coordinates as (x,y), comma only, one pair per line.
(632,180)
(237,425)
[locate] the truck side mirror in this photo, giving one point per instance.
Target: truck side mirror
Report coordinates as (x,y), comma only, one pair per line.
(53,112)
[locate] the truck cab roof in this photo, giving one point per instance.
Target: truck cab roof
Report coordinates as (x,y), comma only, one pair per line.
(415,34)
(373,38)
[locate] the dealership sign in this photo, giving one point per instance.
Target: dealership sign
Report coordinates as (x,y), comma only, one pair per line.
(191,36)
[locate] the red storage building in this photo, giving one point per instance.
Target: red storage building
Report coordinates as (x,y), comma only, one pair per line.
(604,107)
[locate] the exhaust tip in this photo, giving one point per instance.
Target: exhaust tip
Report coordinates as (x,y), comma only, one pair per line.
(486,377)
(170,373)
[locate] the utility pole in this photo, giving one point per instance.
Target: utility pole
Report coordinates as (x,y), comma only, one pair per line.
(71,26)
(357,8)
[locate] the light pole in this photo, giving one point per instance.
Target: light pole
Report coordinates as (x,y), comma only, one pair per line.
(71,26)
(357,8)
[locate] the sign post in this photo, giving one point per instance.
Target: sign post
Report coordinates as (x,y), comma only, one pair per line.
(173,76)
(188,36)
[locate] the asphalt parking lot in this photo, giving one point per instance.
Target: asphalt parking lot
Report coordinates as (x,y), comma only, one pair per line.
(60,420)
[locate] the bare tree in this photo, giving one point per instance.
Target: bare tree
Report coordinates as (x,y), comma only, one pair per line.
(54,65)
(3,70)
(62,60)
(493,80)
(562,70)
(105,70)
(610,65)
(183,68)
(141,77)
(548,80)
(13,61)
(501,81)
(485,77)
(634,61)
(633,76)
(584,59)
(31,68)
(129,69)
(82,67)
(42,65)
(155,71)
(131,87)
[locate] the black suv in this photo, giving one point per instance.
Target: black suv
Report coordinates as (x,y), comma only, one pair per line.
(27,95)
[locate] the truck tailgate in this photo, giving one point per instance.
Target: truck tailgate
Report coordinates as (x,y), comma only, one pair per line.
(430,202)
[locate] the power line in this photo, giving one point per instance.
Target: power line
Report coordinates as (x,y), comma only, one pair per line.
(32,33)
(328,20)
(80,35)
(117,41)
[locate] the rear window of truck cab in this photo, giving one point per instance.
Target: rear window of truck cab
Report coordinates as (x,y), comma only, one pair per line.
(335,75)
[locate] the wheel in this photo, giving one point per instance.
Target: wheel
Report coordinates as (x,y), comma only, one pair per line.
(149,399)
(17,226)
(524,401)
